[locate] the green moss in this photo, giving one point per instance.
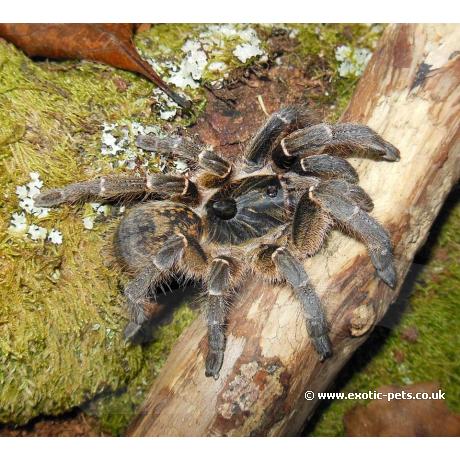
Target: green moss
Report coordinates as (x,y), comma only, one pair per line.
(316,52)
(52,356)
(60,339)
(432,309)
(115,410)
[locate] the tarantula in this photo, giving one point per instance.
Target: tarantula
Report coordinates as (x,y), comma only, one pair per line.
(263,213)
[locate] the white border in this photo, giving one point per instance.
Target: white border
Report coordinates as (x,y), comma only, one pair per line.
(225,448)
(146,11)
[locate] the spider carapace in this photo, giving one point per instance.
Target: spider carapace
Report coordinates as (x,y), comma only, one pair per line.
(262,214)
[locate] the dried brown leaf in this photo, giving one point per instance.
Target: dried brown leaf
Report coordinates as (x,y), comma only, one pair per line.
(110,44)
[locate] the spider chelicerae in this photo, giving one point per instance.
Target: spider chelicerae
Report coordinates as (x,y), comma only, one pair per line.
(263,214)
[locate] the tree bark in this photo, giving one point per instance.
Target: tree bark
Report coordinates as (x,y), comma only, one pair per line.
(409,94)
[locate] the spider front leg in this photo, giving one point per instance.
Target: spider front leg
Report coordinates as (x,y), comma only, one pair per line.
(183,147)
(326,167)
(310,226)
(280,124)
(277,261)
(315,139)
(109,187)
(216,169)
(343,204)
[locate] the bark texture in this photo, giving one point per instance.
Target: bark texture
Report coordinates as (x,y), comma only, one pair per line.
(409,94)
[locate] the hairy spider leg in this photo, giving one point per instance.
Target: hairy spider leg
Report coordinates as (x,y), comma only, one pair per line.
(326,167)
(137,291)
(218,288)
(278,125)
(109,187)
(294,273)
(274,262)
(310,226)
(339,137)
(360,224)
(215,169)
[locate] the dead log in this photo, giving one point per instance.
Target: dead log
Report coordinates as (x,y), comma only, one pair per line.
(410,94)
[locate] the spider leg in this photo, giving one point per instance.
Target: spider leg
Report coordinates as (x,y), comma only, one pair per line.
(183,147)
(310,226)
(108,187)
(315,139)
(326,166)
(217,169)
(218,283)
(349,214)
(294,273)
(353,192)
(137,291)
(273,262)
(280,124)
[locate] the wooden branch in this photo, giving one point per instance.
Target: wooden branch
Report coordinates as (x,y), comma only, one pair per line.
(410,94)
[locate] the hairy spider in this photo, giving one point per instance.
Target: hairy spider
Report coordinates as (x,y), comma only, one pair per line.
(262,214)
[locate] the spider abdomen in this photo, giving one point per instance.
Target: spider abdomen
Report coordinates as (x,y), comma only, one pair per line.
(145,229)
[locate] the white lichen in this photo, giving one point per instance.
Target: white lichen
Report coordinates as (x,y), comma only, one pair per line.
(353,60)
(192,66)
(118,142)
(88,222)
(37,233)
(131,157)
(27,193)
(167,108)
(244,40)
(55,236)
(168,114)
(181,166)
(35,182)
(18,223)
(293,33)
(251,48)
(40,212)
(217,66)
(112,145)
(22,191)
(208,51)
(103,209)
(247,51)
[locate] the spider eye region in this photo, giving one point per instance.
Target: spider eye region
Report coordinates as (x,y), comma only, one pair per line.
(225,208)
(245,209)
(272,191)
